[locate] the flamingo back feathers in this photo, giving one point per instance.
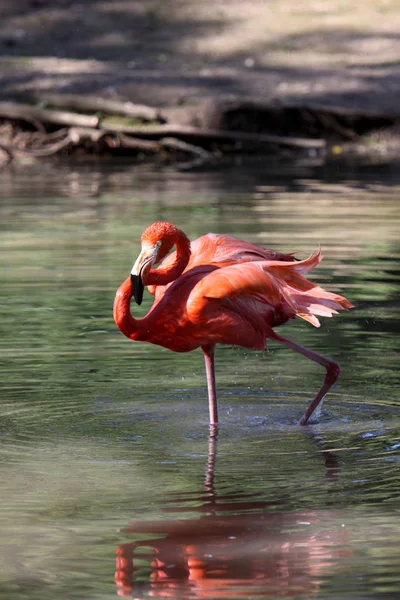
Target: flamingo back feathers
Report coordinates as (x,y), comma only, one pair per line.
(220,249)
(276,285)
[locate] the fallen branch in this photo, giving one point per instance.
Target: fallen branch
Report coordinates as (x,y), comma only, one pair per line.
(175,144)
(38,139)
(133,143)
(210,135)
(12,110)
(50,150)
(74,137)
(93,104)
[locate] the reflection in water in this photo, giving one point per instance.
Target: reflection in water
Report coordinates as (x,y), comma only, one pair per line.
(239,546)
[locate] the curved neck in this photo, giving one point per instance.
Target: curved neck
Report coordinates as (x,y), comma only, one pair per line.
(129,326)
(164,275)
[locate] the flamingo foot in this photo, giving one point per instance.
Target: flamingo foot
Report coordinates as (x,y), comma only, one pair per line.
(332,373)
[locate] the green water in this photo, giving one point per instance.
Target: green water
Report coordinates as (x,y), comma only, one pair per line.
(104,444)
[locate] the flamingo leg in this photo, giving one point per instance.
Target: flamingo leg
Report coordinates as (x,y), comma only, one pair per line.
(332,372)
(208,352)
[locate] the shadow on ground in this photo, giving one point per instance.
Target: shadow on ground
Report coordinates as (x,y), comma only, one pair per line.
(150,53)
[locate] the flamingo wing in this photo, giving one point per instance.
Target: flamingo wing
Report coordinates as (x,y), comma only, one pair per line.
(274,290)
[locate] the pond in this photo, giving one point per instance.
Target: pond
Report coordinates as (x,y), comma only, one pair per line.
(111,482)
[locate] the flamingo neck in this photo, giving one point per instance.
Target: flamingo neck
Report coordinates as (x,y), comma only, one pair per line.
(164,275)
(129,326)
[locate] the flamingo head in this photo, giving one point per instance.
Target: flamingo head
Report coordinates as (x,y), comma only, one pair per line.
(157,241)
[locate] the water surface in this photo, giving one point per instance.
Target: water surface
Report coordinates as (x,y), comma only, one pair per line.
(111,483)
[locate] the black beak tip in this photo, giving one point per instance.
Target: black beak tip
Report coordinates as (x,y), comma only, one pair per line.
(137,288)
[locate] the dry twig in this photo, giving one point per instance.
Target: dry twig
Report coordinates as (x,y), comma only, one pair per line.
(212,135)
(12,110)
(105,105)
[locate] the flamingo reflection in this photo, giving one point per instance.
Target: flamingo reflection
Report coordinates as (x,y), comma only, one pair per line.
(238,547)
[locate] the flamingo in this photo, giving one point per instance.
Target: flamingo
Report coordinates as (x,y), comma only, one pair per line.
(222,290)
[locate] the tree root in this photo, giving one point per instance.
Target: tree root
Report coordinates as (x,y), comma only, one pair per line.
(229,129)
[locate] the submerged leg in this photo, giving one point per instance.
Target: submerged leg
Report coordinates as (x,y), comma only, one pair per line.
(208,352)
(332,371)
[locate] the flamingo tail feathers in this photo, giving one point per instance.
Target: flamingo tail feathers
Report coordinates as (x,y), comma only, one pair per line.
(308,299)
(318,302)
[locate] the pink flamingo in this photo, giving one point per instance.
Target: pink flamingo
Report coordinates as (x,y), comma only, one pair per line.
(221,290)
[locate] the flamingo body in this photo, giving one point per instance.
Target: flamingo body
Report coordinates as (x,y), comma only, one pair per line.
(220,290)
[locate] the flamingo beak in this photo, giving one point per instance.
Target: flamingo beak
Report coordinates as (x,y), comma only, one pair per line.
(137,288)
(139,271)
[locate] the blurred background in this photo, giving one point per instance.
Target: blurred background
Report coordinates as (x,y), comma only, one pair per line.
(165,52)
